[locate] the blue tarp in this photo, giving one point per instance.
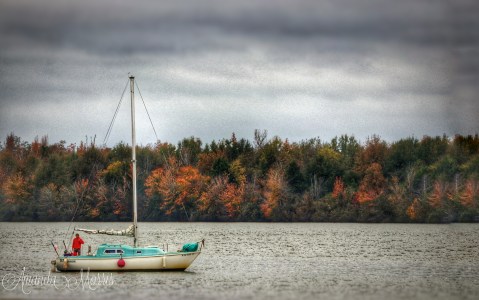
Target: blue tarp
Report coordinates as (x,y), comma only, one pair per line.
(190,247)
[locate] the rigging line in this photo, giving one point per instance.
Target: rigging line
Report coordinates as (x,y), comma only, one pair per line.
(110,128)
(79,202)
(73,217)
(151,122)
(115,115)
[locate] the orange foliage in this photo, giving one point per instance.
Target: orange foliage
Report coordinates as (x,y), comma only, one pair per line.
(210,200)
(437,195)
(178,186)
(338,189)
(233,198)
(365,196)
(471,190)
(275,192)
(374,153)
(372,185)
(119,208)
(413,210)
(153,182)
(81,186)
(221,196)
(36,146)
(190,183)
(16,189)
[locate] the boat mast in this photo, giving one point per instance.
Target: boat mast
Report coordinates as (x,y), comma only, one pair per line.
(133,158)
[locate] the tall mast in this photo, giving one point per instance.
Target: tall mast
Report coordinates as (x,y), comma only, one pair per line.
(133,157)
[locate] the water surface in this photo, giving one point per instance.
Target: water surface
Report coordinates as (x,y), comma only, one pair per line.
(268,261)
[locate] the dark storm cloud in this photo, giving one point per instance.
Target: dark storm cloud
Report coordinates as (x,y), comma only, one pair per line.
(395,68)
(87,24)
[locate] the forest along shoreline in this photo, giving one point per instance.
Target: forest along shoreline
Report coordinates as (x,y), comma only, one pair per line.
(428,180)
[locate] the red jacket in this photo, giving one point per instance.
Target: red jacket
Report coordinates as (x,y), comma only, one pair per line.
(77,242)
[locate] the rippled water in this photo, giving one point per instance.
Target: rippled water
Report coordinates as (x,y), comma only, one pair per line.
(269,261)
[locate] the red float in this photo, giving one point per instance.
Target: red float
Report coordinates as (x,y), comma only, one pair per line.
(121,263)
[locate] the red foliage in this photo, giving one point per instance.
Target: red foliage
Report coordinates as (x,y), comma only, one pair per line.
(338,189)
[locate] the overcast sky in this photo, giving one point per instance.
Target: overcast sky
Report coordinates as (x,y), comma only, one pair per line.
(299,69)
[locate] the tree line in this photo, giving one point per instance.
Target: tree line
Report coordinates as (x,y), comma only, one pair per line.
(433,179)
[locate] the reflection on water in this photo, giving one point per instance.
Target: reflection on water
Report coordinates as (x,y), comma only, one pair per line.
(266,261)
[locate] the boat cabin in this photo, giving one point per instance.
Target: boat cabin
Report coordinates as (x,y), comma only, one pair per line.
(113,250)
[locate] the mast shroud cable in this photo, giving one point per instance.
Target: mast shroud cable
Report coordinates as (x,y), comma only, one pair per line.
(115,115)
(151,122)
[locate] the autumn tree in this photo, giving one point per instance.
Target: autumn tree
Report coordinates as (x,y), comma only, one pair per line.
(439,201)
(339,191)
(17,189)
(415,210)
(237,172)
(211,202)
(233,198)
(180,187)
(56,203)
(439,195)
(374,152)
(433,179)
(17,193)
(372,185)
(277,199)
(468,198)
(470,194)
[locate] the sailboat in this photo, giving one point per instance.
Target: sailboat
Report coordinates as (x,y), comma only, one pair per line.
(125,257)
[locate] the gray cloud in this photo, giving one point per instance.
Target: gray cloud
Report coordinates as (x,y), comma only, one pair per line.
(207,68)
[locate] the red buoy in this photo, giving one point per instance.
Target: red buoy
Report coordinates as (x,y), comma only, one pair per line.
(121,263)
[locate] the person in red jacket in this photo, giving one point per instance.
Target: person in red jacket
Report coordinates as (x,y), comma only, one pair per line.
(77,242)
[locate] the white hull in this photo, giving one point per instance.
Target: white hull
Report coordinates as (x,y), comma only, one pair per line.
(176,261)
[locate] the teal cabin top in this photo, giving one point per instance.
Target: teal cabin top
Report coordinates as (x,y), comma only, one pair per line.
(112,250)
(118,250)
